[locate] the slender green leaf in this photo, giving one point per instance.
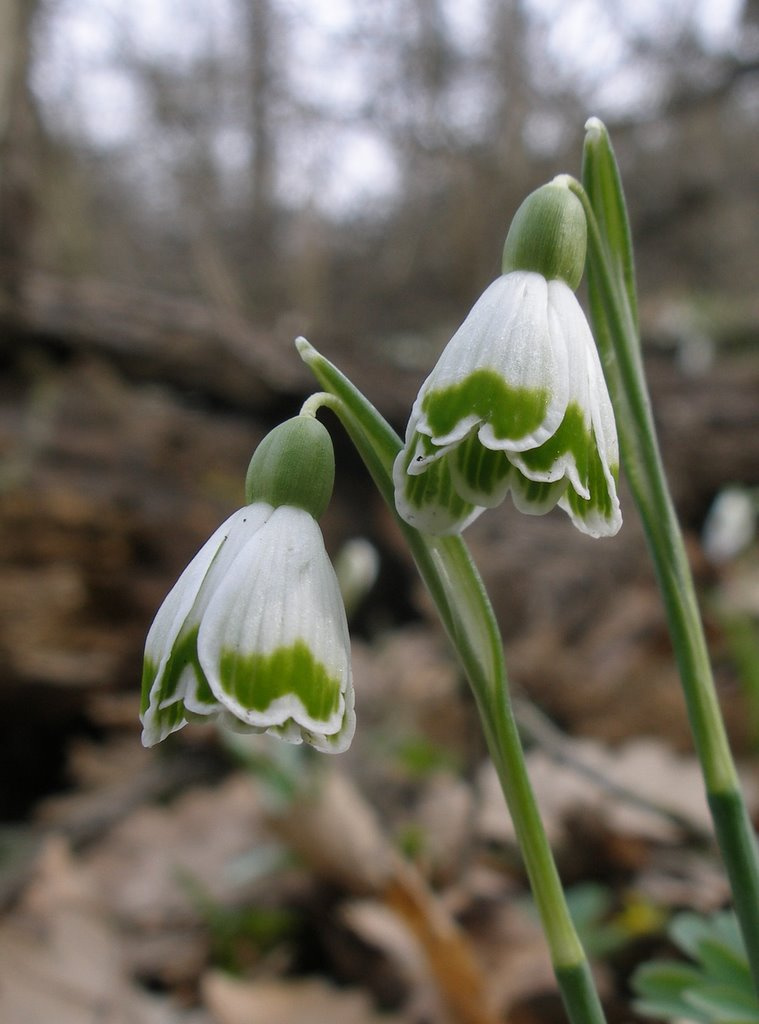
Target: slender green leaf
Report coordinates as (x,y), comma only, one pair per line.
(602,182)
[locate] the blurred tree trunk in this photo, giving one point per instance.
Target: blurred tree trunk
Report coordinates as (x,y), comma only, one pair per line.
(510,57)
(264,78)
(18,134)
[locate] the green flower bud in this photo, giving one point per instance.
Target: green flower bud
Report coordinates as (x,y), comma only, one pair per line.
(294,465)
(548,235)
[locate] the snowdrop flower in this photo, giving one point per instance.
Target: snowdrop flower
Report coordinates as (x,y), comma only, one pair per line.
(254,632)
(517,401)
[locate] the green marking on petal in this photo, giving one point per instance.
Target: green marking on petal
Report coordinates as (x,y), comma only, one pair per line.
(573,436)
(434,497)
(169,719)
(183,653)
(423,452)
(599,514)
(480,473)
(512,412)
(149,672)
(600,502)
(536,497)
(256,680)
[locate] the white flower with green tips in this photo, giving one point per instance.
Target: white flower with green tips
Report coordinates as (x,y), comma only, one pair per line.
(254,632)
(517,401)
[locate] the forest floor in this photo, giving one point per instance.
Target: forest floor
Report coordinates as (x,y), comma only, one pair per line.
(229,880)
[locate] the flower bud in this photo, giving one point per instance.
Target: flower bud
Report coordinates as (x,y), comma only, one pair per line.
(294,465)
(548,235)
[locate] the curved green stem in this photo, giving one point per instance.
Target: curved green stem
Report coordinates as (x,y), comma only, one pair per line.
(611,290)
(447,570)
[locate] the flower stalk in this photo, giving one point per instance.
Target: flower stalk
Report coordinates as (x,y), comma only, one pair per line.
(611,289)
(447,570)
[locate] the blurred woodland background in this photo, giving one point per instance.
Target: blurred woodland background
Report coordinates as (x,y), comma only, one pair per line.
(184,188)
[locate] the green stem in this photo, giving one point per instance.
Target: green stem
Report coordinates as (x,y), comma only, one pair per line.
(736,839)
(612,302)
(447,570)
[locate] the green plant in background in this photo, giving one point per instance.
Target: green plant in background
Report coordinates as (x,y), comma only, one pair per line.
(418,757)
(714,987)
(742,641)
(607,924)
(522,402)
(239,935)
(605,929)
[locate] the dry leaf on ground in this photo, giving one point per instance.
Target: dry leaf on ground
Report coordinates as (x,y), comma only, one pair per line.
(140,865)
(342,839)
(649,772)
(307,1001)
(61,960)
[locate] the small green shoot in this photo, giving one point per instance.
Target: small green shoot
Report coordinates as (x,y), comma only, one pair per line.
(239,935)
(419,757)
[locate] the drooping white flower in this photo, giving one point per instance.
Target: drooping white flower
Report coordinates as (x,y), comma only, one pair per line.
(254,633)
(516,403)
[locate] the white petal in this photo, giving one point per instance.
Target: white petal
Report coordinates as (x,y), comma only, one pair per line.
(281,590)
(568,316)
(602,412)
(507,332)
(591,519)
(569,327)
(181,611)
(179,602)
(240,529)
